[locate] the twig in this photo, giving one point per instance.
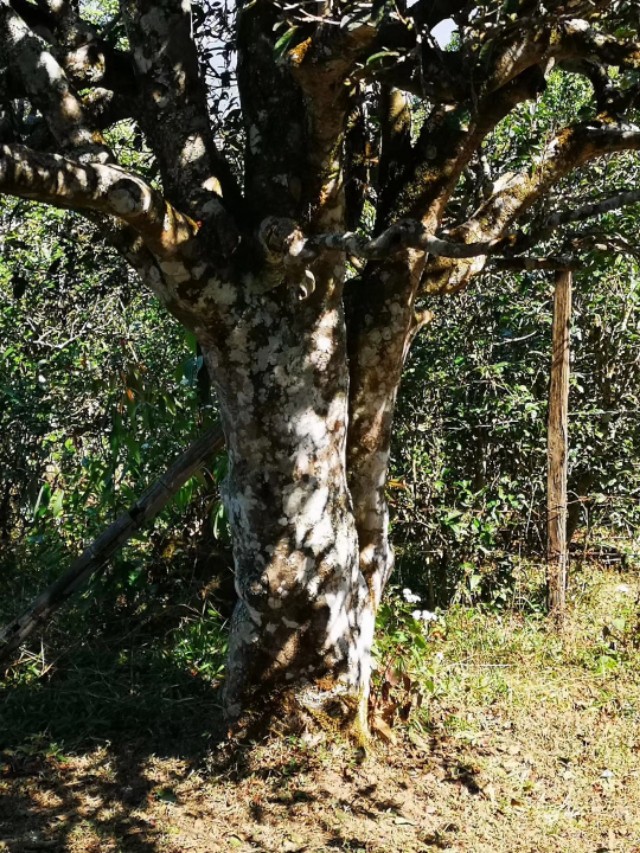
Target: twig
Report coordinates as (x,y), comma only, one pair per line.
(96,555)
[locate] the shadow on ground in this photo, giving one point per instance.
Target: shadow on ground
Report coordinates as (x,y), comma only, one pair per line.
(78,744)
(116,748)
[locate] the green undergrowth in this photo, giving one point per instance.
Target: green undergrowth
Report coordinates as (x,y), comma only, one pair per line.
(429,661)
(157,675)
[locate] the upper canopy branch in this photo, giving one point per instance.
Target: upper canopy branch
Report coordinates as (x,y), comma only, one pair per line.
(481,66)
(592,208)
(44,80)
(568,150)
(553,39)
(515,194)
(447,143)
(174,106)
(85,54)
(105,188)
(521,241)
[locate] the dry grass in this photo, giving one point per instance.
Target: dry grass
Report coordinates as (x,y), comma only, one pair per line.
(530,743)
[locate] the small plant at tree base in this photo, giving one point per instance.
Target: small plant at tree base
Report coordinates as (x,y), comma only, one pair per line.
(405,665)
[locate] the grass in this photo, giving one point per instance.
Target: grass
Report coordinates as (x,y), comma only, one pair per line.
(517,738)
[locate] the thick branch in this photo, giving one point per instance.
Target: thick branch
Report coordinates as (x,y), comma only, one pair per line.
(321,69)
(101,187)
(174,108)
(446,145)
(569,150)
(129,245)
(46,83)
(94,558)
(284,242)
(515,194)
(553,39)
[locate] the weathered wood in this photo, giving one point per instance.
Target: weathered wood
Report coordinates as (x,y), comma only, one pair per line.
(94,557)
(558,430)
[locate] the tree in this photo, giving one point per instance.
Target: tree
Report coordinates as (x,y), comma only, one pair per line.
(297,234)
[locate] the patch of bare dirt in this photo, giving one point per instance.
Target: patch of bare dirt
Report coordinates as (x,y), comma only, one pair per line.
(496,789)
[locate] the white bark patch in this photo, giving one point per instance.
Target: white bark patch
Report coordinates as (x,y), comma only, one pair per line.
(367,356)
(323,351)
(142,63)
(576,25)
(51,68)
(307,510)
(310,424)
(338,624)
(267,356)
(301,461)
(319,539)
(223,293)
(337,413)
(124,202)
(367,624)
(343,545)
(193,149)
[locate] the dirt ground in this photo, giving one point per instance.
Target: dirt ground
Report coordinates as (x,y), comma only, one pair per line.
(523,749)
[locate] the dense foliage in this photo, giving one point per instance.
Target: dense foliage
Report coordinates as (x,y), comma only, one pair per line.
(470,450)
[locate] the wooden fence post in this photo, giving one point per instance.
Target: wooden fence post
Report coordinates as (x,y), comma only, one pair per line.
(557,447)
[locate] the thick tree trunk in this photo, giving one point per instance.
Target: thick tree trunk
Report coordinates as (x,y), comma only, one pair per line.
(379,336)
(304,616)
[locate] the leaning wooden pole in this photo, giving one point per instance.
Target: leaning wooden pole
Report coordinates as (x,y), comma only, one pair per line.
(558,435)
(94,557)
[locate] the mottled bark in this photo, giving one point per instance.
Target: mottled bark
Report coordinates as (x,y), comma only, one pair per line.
(304,617)
(378,340)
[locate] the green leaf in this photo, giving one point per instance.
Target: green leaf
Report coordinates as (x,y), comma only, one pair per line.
(381,56)
(55,504)
(42,503)
(282,45)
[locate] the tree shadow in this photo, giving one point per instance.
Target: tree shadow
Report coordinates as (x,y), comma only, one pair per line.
(93,750)
(97,748)
(76,748)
